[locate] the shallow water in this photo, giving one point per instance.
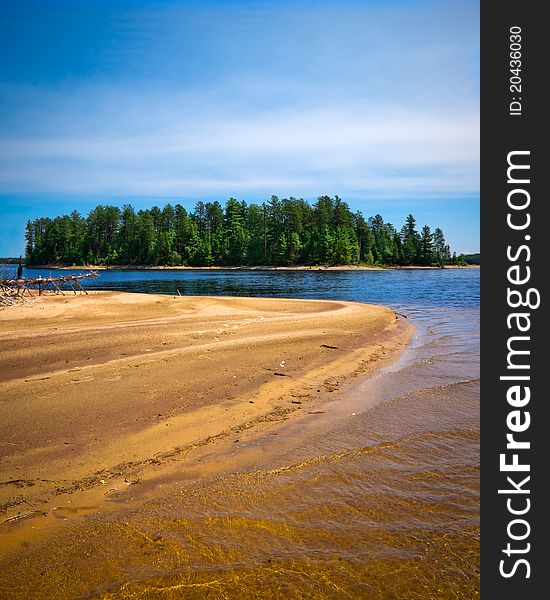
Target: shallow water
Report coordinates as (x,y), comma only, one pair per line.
(376,497)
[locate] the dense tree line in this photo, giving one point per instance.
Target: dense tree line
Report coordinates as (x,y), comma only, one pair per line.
(279,232)
(470,259)
(9,260)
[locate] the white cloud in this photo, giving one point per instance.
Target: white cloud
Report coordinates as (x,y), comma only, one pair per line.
(392,150)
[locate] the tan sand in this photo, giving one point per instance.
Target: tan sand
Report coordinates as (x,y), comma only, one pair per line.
(111,386)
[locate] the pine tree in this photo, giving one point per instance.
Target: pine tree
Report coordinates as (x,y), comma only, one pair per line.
(440,254)
(235,233)
(410,241)
(426,247)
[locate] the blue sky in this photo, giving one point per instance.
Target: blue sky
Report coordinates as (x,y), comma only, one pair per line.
(151,102)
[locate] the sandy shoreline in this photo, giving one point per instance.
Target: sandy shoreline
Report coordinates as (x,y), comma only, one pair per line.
(106,390)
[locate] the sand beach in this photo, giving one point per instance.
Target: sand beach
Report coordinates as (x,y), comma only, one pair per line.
(161,446)
(105,390)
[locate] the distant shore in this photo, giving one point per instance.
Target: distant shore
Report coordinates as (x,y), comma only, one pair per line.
(246,268)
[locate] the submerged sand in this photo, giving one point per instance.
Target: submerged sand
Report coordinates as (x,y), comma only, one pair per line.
(108,389)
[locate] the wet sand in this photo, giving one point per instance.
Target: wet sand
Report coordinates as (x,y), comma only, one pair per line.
(111,390)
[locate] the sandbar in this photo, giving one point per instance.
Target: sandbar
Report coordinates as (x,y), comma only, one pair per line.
(107,388)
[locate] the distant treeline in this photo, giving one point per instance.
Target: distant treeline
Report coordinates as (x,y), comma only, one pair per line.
(279,232)
(470,259)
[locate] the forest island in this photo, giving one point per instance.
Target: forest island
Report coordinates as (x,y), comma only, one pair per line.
(280,232)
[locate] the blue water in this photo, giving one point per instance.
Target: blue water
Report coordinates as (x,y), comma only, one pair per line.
(457,288)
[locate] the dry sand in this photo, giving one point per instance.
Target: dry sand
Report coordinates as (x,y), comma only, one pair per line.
(106,389)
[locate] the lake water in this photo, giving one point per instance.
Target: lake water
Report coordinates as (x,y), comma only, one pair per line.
(378,498)
(441,287)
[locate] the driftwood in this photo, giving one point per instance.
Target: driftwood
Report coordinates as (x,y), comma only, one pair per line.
(8,295)
(14,290)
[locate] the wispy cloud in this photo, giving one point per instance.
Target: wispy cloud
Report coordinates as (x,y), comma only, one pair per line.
(199,152)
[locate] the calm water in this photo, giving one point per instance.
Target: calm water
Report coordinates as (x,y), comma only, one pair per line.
(448,287)
(377,498)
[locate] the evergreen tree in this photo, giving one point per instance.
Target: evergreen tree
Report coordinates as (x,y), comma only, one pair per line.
(426,246)
(214,231)
(376,225)
(127,239)
(410,241)
(440,248)
(235,233)
(182,230)
(29,241)
(146,236)
(365,239)
(256,226)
